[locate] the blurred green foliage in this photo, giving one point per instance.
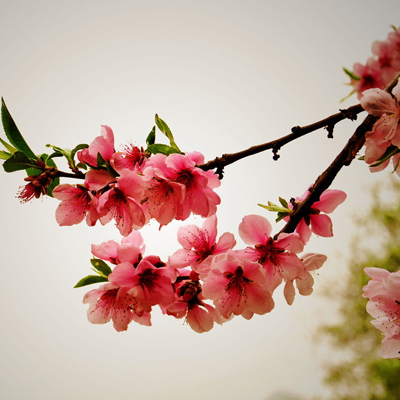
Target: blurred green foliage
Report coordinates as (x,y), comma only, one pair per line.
(362,374)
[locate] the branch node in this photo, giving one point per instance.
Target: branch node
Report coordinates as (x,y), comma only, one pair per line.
(349,114)
(330,128)
(275,150)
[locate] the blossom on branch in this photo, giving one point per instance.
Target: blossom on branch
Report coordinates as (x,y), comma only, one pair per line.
(383,292)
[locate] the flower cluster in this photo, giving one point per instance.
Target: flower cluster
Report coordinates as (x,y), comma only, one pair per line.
(380,68)
(238,282)
(383,292)
(132,186)
(383,142)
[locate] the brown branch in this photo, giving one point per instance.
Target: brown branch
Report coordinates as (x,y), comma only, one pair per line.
(75,175)
(220,162)
(344,158)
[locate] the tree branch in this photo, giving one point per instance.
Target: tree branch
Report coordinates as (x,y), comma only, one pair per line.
(344,158)
(221,162)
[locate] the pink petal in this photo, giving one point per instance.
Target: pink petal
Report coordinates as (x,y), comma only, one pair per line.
(329,200)
(255,229)
(321,225)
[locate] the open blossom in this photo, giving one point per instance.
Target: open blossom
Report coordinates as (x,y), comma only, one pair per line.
(386,131)
(315,221)
(199,244)
(147,283)
(110,302)
(77,202)
(237,287)
(103,144)
(131,249)
(174,188)
(278,257)
(381,67)
(189,304)
(383,291)
(311,261)
(122,203)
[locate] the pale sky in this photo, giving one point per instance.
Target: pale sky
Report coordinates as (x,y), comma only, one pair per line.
(225,75)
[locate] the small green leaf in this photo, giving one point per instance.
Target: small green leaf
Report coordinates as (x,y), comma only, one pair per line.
(281,215)
(274,208)
(90,279)
(283,202)
(167,132)
(77,148)
(151,137)
(348,96)
(351,74)
(10,148)
(17,162)
(101,266)
(12,132)
(162,148)
(4,155)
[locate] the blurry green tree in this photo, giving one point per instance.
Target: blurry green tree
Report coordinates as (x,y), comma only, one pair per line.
(363,374)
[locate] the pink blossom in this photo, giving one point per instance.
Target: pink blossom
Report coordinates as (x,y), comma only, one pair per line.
(146,283)
(311,261)
(131,249)
(370,76)
(162,195)
(103,144)
(131,157)
(383,291)
(199,196)
(189,304)
(315,222)
(77,202)
(381,104)
(237,287)
(278,257)
(122,203)
(110,302)
(199,244)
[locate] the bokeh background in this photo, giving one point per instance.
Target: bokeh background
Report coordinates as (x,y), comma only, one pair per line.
(224,75)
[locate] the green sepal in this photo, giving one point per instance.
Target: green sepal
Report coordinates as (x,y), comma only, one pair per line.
(82,166)
(101,267)
(163,127)
(390,152)
(12,132)
(90,279)
(151,137)
(351,74)
(162,148)
(18,161)
(4,155)
(55,181)
(10,148)
(103,164)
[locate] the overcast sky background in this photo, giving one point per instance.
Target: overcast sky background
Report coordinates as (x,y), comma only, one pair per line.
(224,75)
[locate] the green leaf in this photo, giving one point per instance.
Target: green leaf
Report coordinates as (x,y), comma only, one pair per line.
(162,148)
(167,132)
(351,74)
(151,137)
(283,202)
(101,266)
(17,162)
(10,148)
(12,132)
(280,216)
(274,208)
(90,279)
(4,155)
(77,148)
(348,96)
